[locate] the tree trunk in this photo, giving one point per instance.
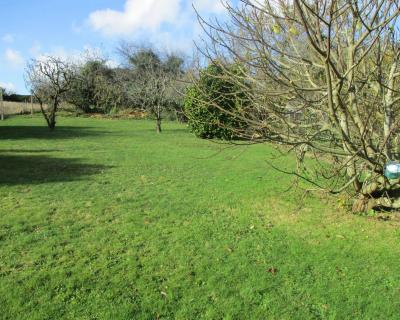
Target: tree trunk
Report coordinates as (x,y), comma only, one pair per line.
(381,194)
(158,126)
(363,204)
(52,124)
(52,118)
(52,121)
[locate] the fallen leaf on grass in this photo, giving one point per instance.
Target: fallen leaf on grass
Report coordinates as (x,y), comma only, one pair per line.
(273,270)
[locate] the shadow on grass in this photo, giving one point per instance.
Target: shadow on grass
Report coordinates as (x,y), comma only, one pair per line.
(167,131)
(39,169)
(176,130)
(28,150)
(36,132)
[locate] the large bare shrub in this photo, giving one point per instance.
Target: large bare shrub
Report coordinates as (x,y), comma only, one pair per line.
(324,78)
(151,79)
(49,79)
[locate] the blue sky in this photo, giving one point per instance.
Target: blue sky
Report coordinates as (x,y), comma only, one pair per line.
(30,29)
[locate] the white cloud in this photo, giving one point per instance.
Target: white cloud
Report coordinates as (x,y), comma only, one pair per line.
(62,53)
(150,15)
(112,63)
(13,57)
(212,6)
(9,38)
(35,49)
(7,85)
(277,5)
(87,53)
(59,52)
(137,15)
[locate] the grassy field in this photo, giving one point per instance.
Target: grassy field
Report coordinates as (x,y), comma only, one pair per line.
(105,219)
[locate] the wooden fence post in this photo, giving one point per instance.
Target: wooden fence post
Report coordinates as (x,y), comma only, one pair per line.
(31,105)
(1,104)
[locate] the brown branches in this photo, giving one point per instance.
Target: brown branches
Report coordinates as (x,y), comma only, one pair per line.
(49,79)
(324,72)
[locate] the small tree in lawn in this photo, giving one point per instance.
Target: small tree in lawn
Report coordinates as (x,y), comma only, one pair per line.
(49,79)
(152,82)
(151,78)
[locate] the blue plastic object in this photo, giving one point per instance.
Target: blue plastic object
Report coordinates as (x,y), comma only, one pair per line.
(392,170)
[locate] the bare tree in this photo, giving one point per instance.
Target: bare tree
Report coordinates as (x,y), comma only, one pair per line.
(49,79)
(150,78)
(325,78)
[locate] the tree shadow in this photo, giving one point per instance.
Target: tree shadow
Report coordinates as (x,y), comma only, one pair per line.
(28,150)
(166,130)
(38,132)
(176,130)
(17,169)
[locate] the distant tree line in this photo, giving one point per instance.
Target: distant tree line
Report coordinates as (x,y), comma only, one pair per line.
(147,80)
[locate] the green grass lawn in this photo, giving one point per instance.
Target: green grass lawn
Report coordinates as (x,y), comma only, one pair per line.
(105,219)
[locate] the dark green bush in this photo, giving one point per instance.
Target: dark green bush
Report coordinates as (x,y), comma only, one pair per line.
(213,105)
(96,89)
